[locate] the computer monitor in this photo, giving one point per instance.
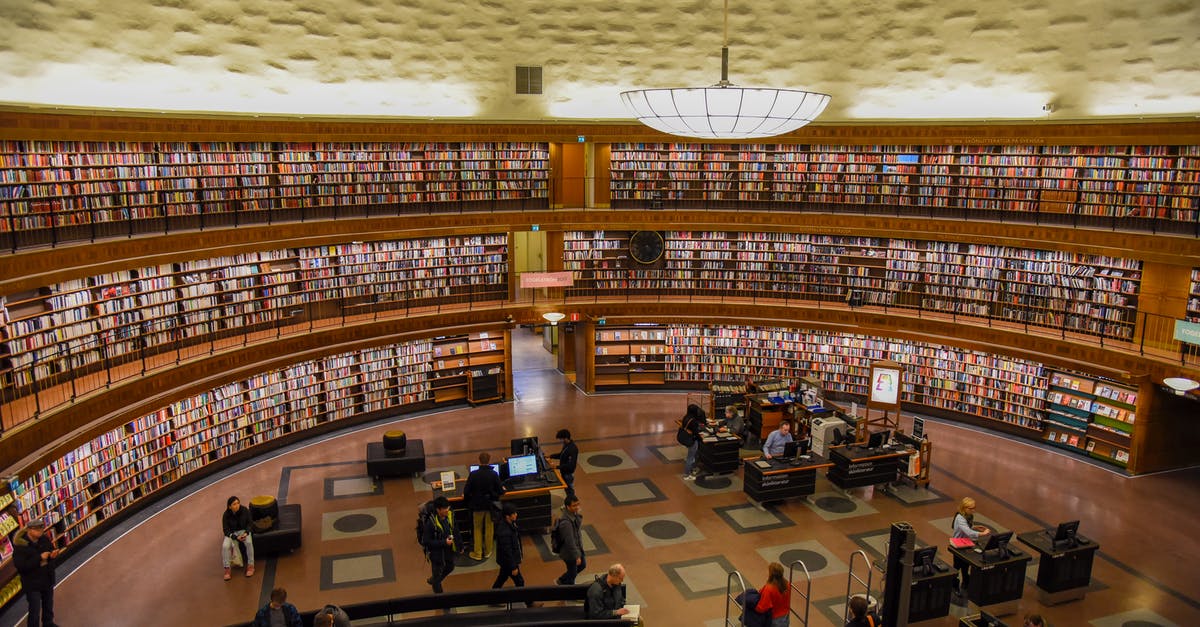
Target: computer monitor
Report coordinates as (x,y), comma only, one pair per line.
(878,439)
(987,620)
(997,546)
(789,449)
(523,446)
(1064,536)
(923,560)
(522,465)
(495,467)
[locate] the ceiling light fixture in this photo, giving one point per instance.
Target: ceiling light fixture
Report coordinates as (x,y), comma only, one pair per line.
(1181,384)
(553,317)
(725,111)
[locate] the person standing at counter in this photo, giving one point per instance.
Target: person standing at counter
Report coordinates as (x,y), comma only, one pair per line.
(566,459)
(692,423)
(482,490)
(964,527)
(777,441)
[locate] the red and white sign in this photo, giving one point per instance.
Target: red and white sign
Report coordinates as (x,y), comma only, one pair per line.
(546,279)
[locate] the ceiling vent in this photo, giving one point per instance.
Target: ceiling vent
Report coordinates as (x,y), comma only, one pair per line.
(529,79)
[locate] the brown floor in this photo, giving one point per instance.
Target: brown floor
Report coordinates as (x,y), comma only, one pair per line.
(165,571)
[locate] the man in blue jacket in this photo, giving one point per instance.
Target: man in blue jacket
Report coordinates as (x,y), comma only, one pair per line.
(278,612)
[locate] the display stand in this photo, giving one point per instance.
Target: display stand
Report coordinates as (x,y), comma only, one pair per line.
(887,381)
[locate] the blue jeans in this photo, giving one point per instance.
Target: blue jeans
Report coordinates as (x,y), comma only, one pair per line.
(781,621)
(569,479)
(689,464)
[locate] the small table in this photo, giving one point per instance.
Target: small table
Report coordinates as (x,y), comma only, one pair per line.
(997,583)
(1064,572)
(410,462)
(781,480)
(858,466)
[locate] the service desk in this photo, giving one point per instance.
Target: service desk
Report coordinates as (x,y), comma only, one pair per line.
(858,466)
(781,480)
(930,593)
(531,497)
(1064,573)
(997,583)
(719,453)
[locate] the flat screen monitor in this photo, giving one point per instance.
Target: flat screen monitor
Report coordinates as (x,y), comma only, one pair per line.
(997,546)
(523,446)
(495,467)
(923,560)
(987,620)
(522,465)
(789,449)
(878,439)
(1064,536)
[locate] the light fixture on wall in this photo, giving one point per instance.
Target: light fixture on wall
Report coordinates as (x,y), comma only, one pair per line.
(553,317)
(724,110)
(1181,385)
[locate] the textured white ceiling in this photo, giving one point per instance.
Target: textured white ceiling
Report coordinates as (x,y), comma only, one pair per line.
(879,59)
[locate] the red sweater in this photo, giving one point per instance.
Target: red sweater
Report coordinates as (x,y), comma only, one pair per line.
(773,600)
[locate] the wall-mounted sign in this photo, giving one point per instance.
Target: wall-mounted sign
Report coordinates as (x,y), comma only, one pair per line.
(1187,332)
(546,279)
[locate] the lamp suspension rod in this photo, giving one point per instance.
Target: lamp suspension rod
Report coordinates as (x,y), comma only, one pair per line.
(725,49)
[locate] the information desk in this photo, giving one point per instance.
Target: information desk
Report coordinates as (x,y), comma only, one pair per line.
(531,497)
(1064,574)
(857,466)
(781,479)
(997,583)
(719,453)
(930,592)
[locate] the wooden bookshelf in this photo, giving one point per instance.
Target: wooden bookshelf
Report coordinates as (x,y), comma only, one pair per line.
(629,356)
(120,468)
(1117,181)
(53,191)
(63,330)
(1092,294)
(469,367)
(1090,415)
(1193,304)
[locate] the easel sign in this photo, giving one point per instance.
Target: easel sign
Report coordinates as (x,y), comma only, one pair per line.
(887,379)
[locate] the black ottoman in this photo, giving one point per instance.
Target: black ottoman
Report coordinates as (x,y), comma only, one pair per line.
(285,536)
(384,463)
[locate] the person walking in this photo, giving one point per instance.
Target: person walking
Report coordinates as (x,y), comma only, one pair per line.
(509,552)
(482,490)
(438,539)
(569,530)
(34,556)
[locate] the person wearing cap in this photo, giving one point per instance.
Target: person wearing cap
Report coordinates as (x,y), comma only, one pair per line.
(34,555)
(508,549)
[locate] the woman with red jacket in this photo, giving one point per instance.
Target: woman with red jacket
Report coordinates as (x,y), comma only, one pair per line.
(775,596)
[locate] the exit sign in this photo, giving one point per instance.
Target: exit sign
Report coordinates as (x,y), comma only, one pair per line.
(581,139)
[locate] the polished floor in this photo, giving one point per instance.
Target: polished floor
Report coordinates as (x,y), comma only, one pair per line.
(677,539)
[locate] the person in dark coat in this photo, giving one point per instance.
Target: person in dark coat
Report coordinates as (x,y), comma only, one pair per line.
(569,529)
(508,550)
(606,597)
(438,538)
(278,611)
(235,525)
(33,556)
(483,488)
(567,459)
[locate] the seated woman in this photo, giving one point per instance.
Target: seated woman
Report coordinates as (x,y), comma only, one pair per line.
(235,525)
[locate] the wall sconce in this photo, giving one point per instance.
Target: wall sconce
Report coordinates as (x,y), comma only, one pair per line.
(1181,385)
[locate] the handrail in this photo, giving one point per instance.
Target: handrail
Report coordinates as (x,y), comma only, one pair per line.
(732,598)
(851,578)
(806,594)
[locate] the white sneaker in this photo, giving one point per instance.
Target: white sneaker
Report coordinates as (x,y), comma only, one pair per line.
(689,477)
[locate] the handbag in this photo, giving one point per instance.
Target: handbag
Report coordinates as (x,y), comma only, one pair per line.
(235,558)
(684,437)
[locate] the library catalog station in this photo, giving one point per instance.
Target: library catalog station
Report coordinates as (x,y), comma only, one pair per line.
(339,309)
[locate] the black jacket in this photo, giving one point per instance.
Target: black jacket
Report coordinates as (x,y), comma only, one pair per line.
(483,487)
(433,536)
(603,599)
(567,458)
(570,533)
(27,557)
(508,546)
(232,524)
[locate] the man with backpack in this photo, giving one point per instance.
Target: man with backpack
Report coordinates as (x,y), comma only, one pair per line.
(482,490)
(437,536)
(567,540)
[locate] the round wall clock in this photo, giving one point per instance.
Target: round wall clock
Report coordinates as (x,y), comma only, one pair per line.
(646,246)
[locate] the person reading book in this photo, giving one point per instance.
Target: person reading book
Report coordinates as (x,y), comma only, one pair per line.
(606,597)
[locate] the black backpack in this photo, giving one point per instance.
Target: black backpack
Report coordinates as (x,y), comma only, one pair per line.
(425,514)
